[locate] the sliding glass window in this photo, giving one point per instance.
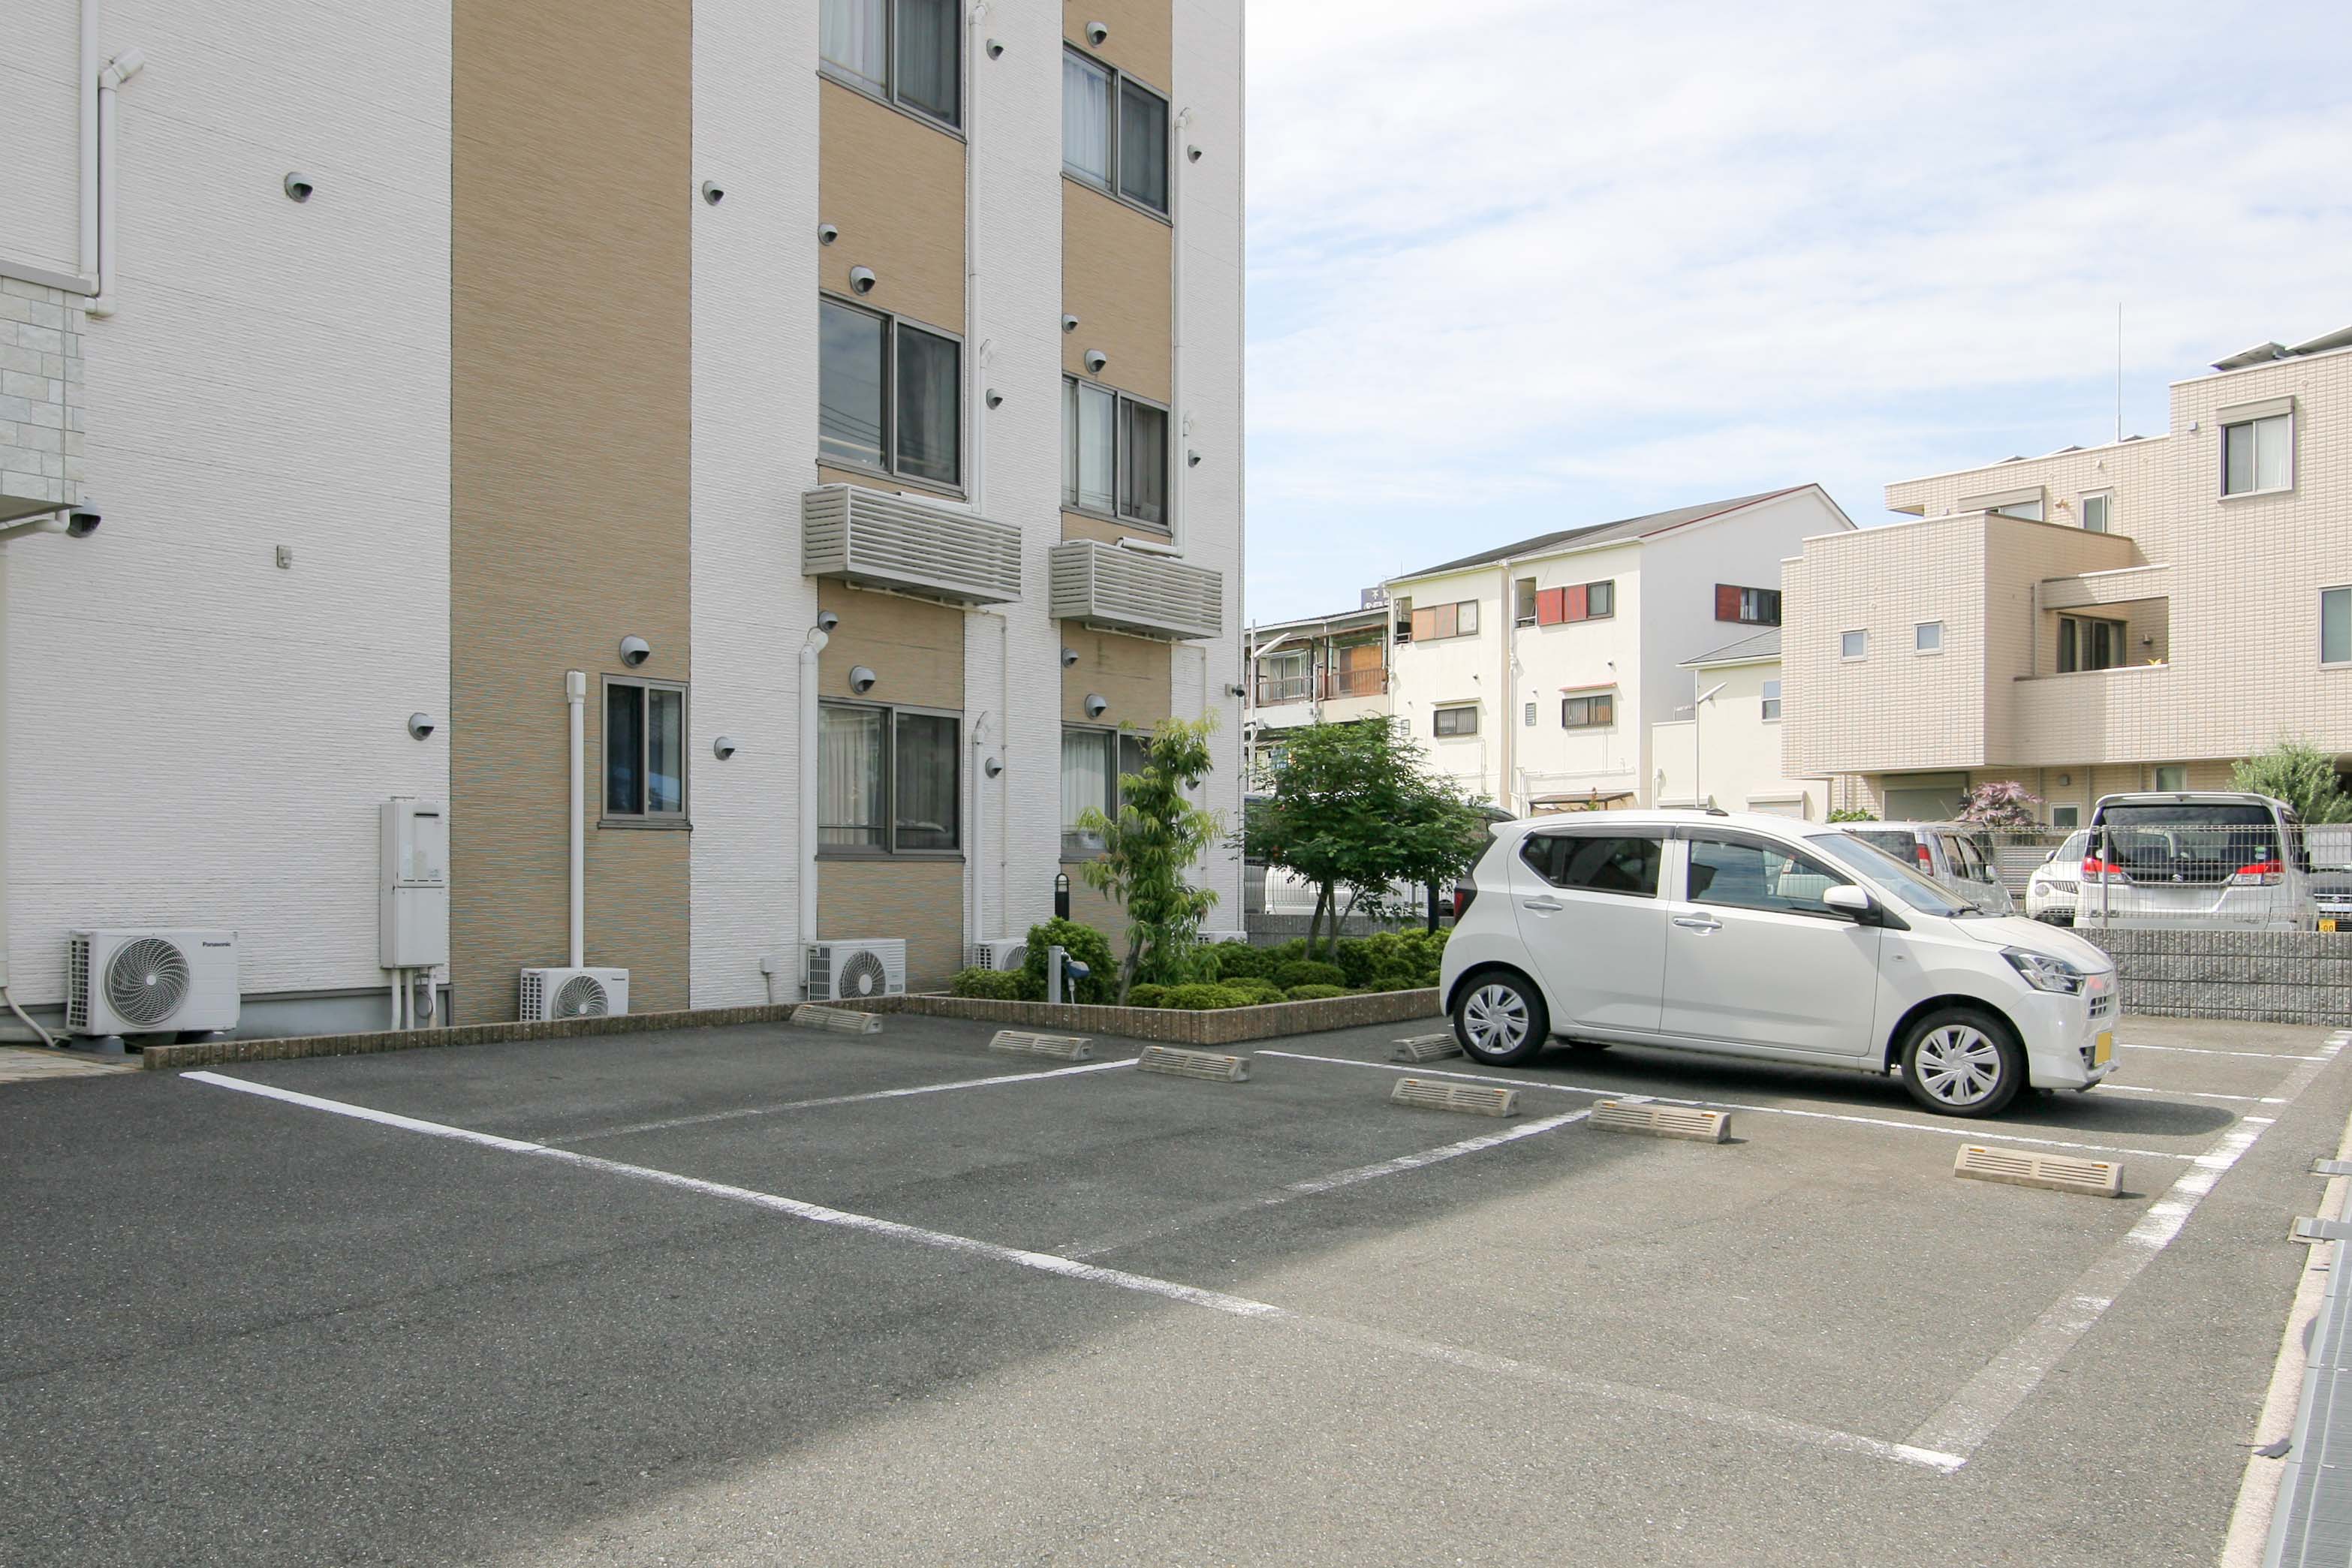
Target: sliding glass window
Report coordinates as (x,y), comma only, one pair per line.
(889,781)
(889,395)
(1114,455)
(854,45)
(1114,131)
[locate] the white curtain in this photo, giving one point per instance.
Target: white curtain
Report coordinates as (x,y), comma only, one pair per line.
(852,36)
(1096,410)
(1086,781)
(1085,119)
(849,776)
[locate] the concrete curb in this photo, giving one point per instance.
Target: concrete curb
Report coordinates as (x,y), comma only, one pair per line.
(218,1052)
(1225,1026)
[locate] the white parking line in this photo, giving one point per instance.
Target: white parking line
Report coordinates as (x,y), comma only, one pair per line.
(742,1111)
(2202,1050)
(1314,1185)
(2006,1381)
(1725,1105)
(1751,1421)
(2198,1094)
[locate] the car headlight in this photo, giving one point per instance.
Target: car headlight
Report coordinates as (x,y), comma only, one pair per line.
(2044,973)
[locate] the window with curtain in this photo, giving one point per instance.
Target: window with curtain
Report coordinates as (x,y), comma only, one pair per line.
(1114,131)
(930,405)
(1142,146)
(1093,761)
(1447,721)
(1114,453)
(890,779)
(852,38)
(645,749)
(854,45)
(1596,712)
(1143,463)
(1085,119)
(889,394)
(850,376)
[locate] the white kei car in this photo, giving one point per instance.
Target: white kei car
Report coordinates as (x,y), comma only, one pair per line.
(2057,881)
(1755,937)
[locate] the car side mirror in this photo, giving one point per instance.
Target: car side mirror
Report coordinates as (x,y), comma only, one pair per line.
(1852,902)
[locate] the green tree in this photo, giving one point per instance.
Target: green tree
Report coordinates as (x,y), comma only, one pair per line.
(1356,806)
(2300,774)
(1158,835)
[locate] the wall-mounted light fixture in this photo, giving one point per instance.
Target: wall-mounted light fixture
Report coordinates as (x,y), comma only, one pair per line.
(1096,359)
(1069,657)
(862,279)
(827,232)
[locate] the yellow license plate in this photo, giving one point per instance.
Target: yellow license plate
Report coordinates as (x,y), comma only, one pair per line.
(2103,1050)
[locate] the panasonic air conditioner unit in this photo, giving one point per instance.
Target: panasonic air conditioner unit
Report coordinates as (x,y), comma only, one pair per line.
(847,971)
(150,981)
(549,995)
(1003,953)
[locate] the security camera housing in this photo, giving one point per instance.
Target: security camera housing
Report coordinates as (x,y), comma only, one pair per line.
(712,193)
(827,620)
(420,725)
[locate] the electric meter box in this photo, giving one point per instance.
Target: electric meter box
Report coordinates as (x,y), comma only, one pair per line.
(413,885)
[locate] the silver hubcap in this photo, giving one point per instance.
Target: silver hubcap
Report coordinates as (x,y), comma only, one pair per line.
(1958,1064)
(1496,1018)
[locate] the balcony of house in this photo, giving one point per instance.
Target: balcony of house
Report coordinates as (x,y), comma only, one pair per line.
(1331,683)
(2101,686)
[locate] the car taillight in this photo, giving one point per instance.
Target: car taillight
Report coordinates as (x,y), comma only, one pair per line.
(1463,894)
(2096,870)
(2261,873)
(1923,858)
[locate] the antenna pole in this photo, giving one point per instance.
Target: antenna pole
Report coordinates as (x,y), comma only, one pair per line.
(2119,370)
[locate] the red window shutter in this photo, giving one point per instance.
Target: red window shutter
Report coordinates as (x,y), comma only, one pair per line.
(1579,608)
(1551,606)
(1425,625)
(1726,601)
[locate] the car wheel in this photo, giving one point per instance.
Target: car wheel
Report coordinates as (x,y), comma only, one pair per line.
(1499,1019)
(1961,1062)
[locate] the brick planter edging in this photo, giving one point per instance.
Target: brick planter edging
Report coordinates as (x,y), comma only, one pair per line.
(1225,1026)
(213,1053)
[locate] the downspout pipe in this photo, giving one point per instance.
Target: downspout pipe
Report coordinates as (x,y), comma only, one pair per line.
(1180,527)
(119,69)
(575,702)
(819,635)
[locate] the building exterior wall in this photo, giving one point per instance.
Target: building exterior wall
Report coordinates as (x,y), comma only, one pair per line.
(275,375)
(1729,756)
(893,184)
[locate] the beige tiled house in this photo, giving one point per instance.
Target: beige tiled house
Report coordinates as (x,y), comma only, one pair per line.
(2136,615)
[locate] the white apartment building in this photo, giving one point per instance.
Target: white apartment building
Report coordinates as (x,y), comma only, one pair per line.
(1535,674)
(2128,616)
(1726,752)
(421,358)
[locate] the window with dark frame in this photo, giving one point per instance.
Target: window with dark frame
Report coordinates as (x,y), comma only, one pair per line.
(1433,622)
(1577,601)
(906,52)
(889,394)
(889,781)
(645,750)
(1595,710)
(1523,602)
(1401,613)
(1114,455)
(1747,606)
(1462,720)
(1093,761)
(1114,131)
(2085,643)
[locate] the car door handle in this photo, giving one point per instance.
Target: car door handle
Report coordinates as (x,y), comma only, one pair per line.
(1545,903)
(1698,922)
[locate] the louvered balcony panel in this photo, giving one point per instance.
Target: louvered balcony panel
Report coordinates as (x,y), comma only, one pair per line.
(1128,591)
(876,540)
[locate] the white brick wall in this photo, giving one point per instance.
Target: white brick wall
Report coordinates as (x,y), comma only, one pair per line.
(41,388)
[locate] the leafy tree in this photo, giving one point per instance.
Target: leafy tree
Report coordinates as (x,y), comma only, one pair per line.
(1853,814)
(2300,774)
(1158,835)
(1356,806)
(2007,805)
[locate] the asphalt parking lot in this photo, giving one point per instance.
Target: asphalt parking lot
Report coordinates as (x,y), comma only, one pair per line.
(758,1295)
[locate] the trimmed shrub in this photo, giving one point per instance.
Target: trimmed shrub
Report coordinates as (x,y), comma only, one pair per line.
(1289,952)
(1235,961)
(1148,997)
(1258,991)
(992,985)
(1316,993)
(1359,958)
(1203,999)
(1307,972)
(1400,983)
(1087,945)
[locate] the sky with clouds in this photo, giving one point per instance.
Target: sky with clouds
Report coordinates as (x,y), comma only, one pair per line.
(1520,265)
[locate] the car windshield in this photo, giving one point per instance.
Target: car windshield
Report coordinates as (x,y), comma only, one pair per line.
(1890,874)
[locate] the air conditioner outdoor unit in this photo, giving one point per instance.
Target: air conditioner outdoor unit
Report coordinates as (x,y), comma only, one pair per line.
(849,971)
(1216,936)
(551,994)
(1002,953)
(150,981)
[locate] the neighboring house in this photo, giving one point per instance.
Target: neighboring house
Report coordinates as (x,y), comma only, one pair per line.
(2131,616)
(1321,669)
(594,320)
(1727,752)
(1533,673)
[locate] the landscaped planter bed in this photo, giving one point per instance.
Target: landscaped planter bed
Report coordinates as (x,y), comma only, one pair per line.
(1220,1026)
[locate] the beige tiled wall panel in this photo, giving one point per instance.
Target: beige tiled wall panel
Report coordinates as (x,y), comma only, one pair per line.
(571,185)
(1116,281)
(1139,40)
(2137,472)
(914,648)
(1131,672)
(894,186)
(920,902)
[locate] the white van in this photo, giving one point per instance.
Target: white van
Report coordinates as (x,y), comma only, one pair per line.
(1957,854)
(1754,937)
(2202,859)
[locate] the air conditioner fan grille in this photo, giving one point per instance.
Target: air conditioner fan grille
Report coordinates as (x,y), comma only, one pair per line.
(146,980)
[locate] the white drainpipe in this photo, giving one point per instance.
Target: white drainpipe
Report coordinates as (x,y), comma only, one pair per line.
(575,699)
(809,651)
(977,839)
(119,69)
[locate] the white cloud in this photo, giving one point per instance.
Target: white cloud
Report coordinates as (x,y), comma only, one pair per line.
(1504,251)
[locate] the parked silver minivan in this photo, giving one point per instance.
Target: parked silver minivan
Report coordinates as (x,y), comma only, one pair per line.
(1957,854)
(2215,859)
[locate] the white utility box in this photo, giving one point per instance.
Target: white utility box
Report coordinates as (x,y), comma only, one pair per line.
(412,886)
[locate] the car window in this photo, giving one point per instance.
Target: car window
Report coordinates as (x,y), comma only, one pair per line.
(2072,849)
(1593,863)
(1968,857)
(1734,874)
(1894,841)
(1894,875)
